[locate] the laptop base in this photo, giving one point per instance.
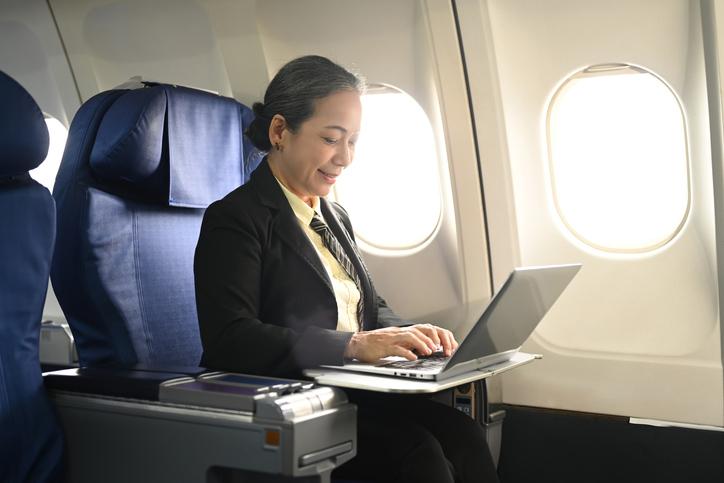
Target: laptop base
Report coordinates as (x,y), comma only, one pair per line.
(376,383)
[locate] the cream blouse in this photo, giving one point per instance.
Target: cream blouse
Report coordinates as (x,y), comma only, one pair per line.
(345,290)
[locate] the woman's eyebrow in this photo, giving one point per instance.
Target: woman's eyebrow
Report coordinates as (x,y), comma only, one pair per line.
(336,127)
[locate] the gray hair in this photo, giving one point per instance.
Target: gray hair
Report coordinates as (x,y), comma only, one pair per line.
(293,92)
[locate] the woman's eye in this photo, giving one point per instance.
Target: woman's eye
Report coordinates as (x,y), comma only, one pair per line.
(329,140)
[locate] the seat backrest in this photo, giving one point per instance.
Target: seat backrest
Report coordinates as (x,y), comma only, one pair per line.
(140,167)
(31,446)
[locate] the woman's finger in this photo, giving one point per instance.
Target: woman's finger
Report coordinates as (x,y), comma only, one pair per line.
(454,342)
(397,350)
(432,332)
(446,339)
(416,341)
(429,343)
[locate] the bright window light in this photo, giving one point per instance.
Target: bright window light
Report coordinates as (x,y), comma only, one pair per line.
(45,173)
(392,189)
(618,157)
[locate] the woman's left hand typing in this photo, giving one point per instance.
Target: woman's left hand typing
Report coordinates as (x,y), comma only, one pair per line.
(441,337)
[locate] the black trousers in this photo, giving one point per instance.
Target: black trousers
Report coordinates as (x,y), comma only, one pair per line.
(411,438)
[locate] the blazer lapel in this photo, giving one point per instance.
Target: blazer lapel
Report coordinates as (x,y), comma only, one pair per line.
(286,224)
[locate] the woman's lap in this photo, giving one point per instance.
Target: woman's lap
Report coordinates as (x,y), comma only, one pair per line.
(412,438)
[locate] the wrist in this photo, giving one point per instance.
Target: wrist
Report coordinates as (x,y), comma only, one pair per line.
(350,352)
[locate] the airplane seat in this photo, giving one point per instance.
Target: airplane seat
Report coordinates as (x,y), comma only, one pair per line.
(31,443)
(139,169)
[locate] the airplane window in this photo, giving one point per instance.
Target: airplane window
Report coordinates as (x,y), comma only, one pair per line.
(392,189)
(618,158)
(45,173)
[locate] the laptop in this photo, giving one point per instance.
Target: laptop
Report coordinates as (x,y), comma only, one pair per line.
(506,322)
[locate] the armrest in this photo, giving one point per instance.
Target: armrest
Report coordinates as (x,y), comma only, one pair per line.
(116,414)
(108,381)
(192,371)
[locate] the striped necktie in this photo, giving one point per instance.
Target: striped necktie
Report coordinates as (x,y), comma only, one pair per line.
(337,251)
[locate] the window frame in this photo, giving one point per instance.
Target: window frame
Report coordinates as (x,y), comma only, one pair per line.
(609,69)
(402,250)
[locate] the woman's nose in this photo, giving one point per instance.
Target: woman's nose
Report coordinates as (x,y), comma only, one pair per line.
(344,156)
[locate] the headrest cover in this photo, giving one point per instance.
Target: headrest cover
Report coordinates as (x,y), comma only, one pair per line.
(23,133)
(171,143)
(205,146)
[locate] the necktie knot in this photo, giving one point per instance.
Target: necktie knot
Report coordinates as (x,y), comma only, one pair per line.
(317,224)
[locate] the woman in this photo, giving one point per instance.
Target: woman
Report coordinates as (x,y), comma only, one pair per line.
(280,285)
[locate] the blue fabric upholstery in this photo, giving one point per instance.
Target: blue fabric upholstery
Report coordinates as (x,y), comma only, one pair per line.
(129,142)
(31,445)
(23,132)
(152,140)
(204,145)
(252,155)
(139,169)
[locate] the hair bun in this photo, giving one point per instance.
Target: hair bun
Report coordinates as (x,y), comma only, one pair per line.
(258,130)
(258,109)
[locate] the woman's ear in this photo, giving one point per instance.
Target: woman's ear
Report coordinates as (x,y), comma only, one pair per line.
(276,129)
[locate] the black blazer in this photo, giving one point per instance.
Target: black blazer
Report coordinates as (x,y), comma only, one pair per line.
(264,300)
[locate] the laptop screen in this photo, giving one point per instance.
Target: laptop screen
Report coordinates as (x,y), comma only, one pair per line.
(515,311)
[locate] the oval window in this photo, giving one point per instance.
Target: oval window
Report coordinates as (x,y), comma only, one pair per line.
(618,158)
(48,169)
(392,189)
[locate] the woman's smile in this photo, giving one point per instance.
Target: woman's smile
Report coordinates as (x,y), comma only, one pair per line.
(328,177)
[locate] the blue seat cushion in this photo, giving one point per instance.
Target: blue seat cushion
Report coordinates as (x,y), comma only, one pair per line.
(137,280)
(31,445)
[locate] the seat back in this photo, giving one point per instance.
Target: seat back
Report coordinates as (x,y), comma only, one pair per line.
(140,167)
(31,446)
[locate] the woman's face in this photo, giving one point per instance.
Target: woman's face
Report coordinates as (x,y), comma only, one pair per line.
(311,158)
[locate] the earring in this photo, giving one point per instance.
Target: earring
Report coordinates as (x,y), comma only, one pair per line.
(277,146)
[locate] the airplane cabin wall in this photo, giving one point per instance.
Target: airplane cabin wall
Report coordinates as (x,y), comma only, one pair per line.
(32,53)
(635,334)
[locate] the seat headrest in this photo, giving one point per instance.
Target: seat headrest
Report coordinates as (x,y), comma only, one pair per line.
(179,145)
(24,136)
(129,142)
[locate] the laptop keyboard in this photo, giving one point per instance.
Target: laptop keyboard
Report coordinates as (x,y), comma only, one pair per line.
(425,362)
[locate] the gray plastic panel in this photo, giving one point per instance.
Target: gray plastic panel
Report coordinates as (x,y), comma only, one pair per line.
(119,440)
(207,394)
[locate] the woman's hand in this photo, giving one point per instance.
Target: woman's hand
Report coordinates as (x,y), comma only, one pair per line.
(423,339)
